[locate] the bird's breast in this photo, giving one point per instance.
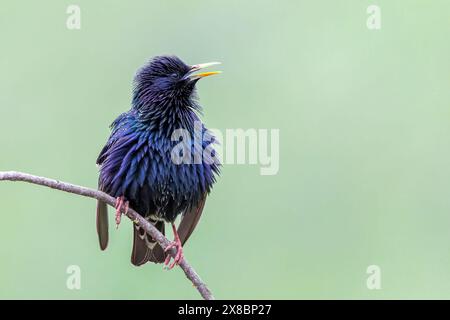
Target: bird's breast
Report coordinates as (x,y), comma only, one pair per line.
(139,166)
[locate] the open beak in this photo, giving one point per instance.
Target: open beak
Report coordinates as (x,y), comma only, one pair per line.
(196,76)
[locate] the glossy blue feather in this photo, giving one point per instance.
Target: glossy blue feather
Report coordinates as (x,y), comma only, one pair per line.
(136,161)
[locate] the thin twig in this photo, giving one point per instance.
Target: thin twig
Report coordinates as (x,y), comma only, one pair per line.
(133,215)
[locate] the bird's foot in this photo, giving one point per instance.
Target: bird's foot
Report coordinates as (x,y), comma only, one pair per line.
(174,244)
(178,257)
(121,206)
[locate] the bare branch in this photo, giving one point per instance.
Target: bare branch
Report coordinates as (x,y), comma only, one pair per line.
(133,215)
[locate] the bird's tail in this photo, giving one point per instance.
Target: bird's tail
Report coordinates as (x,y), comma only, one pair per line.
(102,224)
(145,248)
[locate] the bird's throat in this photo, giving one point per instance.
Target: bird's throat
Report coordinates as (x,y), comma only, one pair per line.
(167,116)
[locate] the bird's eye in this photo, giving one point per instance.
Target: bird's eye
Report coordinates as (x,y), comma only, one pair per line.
(174,75)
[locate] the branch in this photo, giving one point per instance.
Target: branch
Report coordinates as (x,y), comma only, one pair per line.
(133,215)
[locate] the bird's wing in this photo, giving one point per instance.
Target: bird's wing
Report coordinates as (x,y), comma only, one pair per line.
(190,220)
(102,210)
(102,224)
(101,156)
(117,124)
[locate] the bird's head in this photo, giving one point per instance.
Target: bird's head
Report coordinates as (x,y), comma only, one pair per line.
(166,82)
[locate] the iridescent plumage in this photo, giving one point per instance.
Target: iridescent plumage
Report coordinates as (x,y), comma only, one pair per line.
(136,161)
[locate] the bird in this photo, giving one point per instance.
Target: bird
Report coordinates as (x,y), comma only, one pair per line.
(137,167)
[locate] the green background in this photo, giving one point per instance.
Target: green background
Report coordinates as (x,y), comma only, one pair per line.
(364,146)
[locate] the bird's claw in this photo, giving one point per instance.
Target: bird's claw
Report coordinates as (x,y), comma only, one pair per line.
(121,206)
(178,257)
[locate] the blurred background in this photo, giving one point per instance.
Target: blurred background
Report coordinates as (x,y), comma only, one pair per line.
(363,114)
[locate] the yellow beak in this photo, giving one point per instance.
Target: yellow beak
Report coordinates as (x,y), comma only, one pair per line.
(200,66)
(206,74)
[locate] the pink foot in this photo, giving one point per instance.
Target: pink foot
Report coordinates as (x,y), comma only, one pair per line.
(175,244)
(121,206)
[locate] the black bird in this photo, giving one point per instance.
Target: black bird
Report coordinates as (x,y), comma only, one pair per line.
(137,165)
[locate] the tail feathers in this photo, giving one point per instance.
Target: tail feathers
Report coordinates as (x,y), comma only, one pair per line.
(145,248)
(102,224)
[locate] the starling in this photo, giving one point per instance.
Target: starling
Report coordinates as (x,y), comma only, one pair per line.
(136,165)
